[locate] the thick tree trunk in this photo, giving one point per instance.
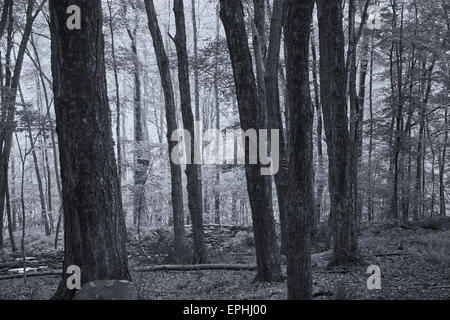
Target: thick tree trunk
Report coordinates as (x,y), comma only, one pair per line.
(333,95)
(94,224)
(259,186)
(301,170)
(166,82)
(194,184)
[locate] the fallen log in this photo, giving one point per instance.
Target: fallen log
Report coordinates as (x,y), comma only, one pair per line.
(153,268)
(197,267)
(390,254)
(30,275)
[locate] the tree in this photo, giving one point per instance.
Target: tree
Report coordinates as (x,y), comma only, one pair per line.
(333,96)
(301,180)
(194,185)
(94,224)
(166,83)
(9,90)
(250,110)
(141,165)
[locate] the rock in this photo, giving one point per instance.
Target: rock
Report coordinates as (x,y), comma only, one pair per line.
(107,290)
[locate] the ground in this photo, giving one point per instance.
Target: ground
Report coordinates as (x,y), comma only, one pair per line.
(414,263)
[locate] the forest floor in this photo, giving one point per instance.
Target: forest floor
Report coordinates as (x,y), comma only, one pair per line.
(414,263)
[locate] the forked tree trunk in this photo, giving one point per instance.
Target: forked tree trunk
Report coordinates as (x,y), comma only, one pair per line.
(166,83)
(333,95)
(94,224)
(194,185)
(259,186)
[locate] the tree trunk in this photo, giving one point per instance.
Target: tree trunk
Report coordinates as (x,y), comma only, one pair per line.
(94,224)
(274,113)
(442,205)
(44,218)
(333,95)
(370,209)
(301,179)
(259,186)
(320,177)
(140,173)
(166,82)
(116,84)
(10,222)
(217,124)
(194,184)
(10,94)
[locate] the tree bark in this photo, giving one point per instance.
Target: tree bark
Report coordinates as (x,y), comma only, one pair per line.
(259,187)
(217,116)
(301,169)
(140,173)
(274,113)
(333,95)
(94,224)
(320,177)
(116,84)
(194,184)
(166,82)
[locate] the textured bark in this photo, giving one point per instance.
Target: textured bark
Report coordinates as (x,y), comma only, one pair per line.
(442,204)
(274,113)
(320,176)
(116,85)
(166,82)
(370,202)
(217,124)
(354,116)
(398,80)
(94,224)
(194,184)
(195,67)
(259,187)
(301,168)
(333,95)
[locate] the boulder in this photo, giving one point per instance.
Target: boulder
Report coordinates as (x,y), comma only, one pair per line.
(107,290)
